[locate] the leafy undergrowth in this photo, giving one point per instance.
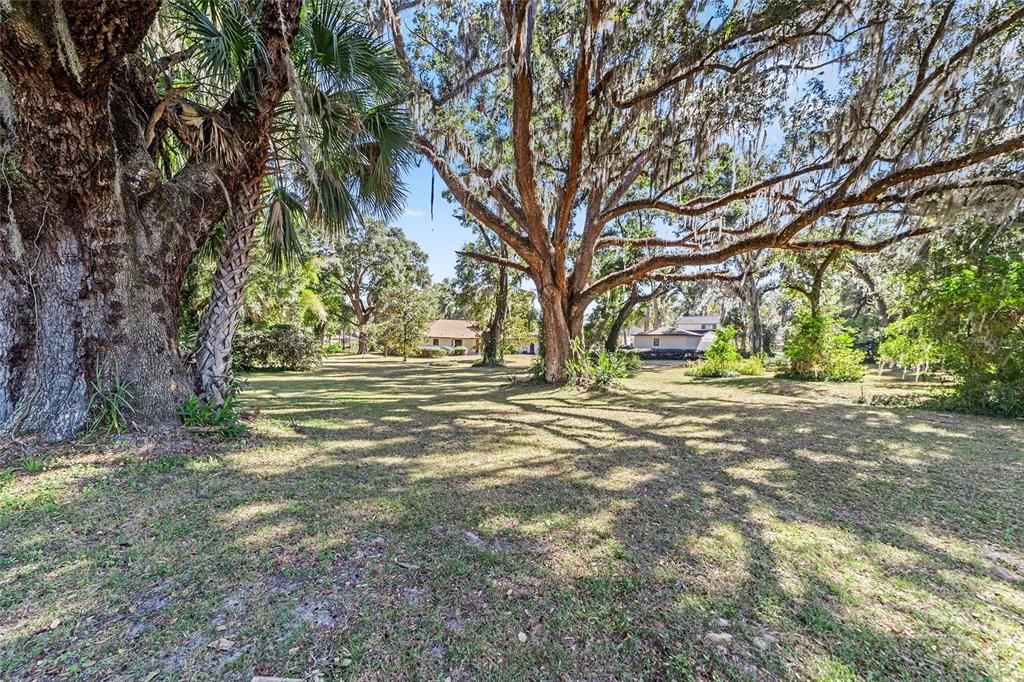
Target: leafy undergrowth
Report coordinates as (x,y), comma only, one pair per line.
(408,521)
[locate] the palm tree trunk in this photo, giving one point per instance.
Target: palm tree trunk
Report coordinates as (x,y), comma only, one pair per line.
(220,319)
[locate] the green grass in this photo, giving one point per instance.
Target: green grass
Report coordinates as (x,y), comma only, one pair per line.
(392,520)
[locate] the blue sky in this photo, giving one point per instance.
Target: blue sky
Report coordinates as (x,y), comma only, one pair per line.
(440,237)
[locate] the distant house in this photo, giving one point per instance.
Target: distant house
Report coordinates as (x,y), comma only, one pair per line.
(453,333)
(690,332)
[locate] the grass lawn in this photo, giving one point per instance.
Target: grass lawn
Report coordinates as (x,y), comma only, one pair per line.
(432,521)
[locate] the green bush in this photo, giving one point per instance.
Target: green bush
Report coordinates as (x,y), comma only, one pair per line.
(972,309)
(723,359)
(459,350)
(433,352)
(596,369)
(333,348)
(711,369)
(750,367)
(222,419)
(819,349)
(632,361)
(282,346)
(723,349)
(110,402)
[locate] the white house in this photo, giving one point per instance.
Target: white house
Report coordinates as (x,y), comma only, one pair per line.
(690,332)
(453,333)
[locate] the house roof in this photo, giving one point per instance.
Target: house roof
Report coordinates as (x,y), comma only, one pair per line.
(672,331)
(698,319)
(454,329)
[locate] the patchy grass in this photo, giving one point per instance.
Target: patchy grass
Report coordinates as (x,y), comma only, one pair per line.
(401,521)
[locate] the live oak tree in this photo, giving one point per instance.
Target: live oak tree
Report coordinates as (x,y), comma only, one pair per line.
(98,224)
(592,110)
(405,310)
(372,257)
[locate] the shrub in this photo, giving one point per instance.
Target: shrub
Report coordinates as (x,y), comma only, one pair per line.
(972,309)
(631,359)
(110,403)
(333,348)
(664,354)
(221,419)
(459,350)
(723,359)
(595,369)
(537,367)
(819,349)
(711,369)
(751,367)
(773,363)
(433,352)
(723,349)
(282,346)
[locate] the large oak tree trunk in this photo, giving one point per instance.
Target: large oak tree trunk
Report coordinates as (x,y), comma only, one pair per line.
(563,322)
(94,243)
(84,272)
(221,317)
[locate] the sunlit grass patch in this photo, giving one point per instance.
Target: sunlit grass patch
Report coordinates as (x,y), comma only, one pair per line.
(414,520)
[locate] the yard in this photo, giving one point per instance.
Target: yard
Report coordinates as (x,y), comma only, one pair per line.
(420,520)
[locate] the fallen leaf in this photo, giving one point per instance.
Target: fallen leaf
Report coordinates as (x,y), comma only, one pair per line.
(411,567)
(522,636)
(55,623)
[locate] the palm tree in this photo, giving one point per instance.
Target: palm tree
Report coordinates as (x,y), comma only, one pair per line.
(336,150)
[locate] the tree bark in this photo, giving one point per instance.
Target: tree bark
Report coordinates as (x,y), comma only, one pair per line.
(557,334)
(611,342)
(756,323)
(221,317)
(94,243)
(493,353)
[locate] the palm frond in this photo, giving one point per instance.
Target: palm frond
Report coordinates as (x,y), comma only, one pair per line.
(284,215)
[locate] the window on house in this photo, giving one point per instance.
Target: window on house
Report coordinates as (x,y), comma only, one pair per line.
(657,342)
(437,342)
(458,342)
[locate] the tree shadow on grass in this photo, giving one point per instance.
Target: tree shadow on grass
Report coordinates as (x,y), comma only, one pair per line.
(413,520)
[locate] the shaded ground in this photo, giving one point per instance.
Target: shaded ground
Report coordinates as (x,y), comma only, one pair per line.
(422,521)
